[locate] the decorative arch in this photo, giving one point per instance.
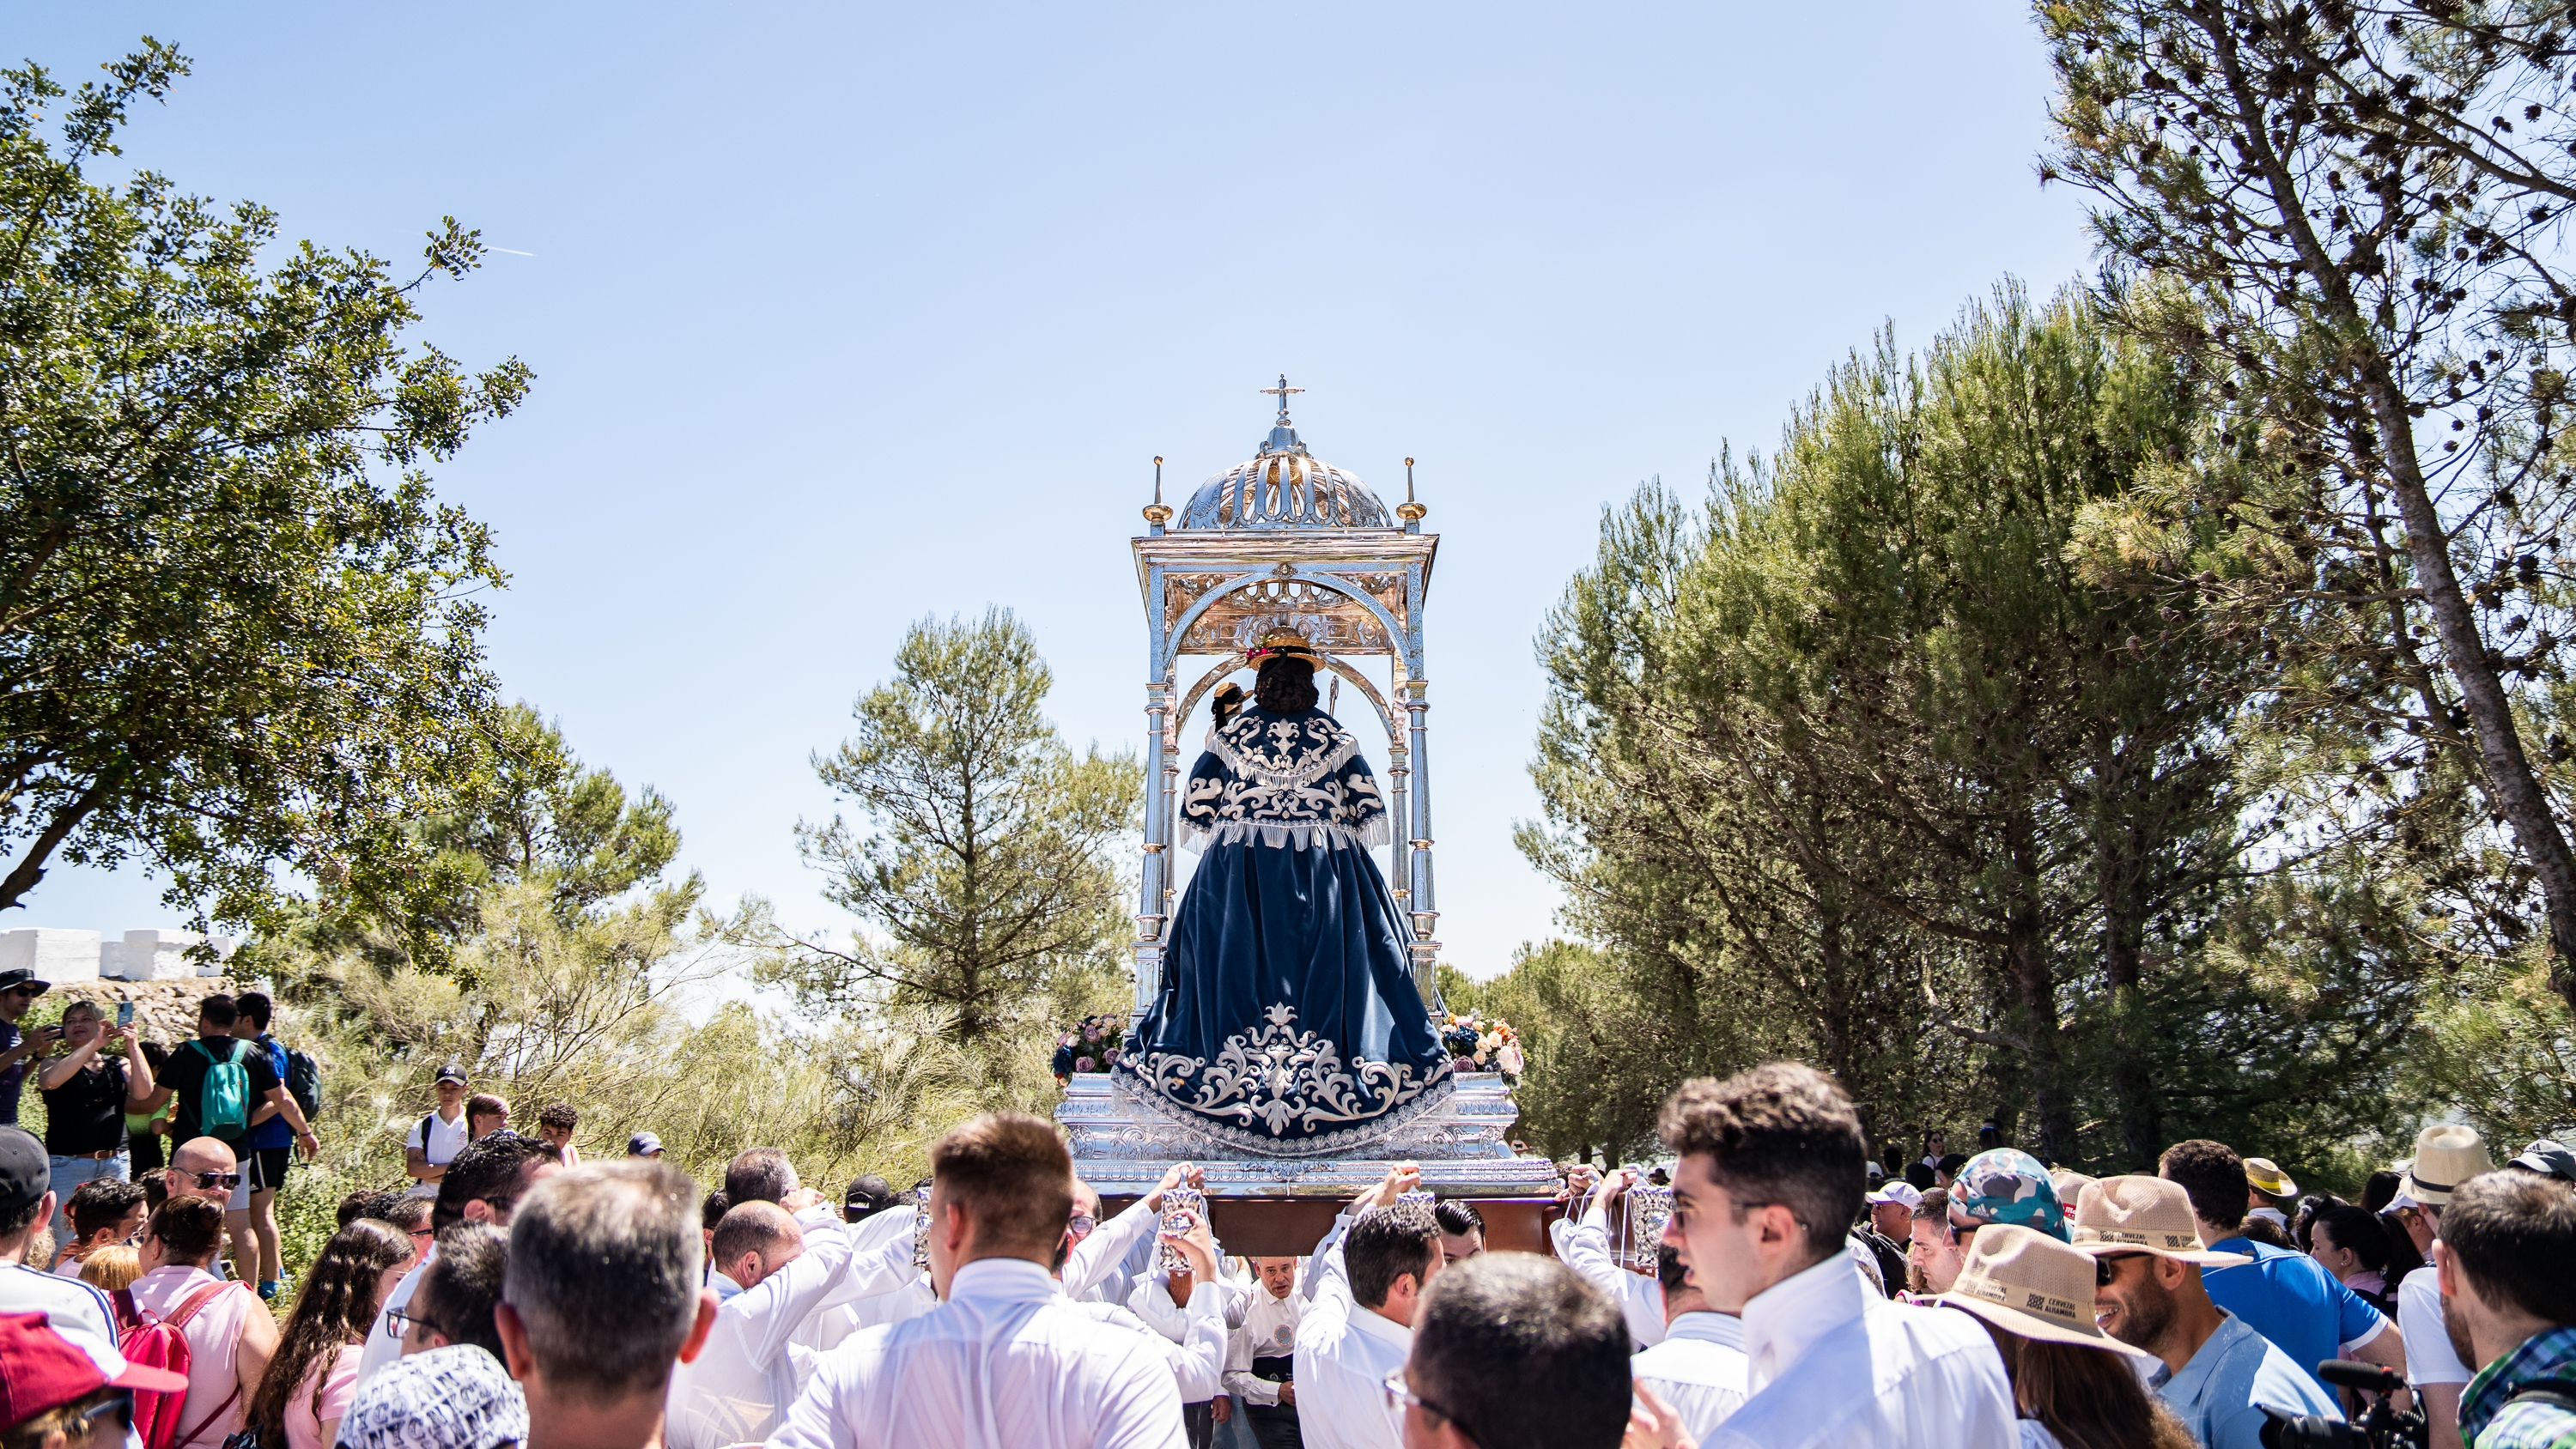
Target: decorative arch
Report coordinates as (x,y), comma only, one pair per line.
(1168,645)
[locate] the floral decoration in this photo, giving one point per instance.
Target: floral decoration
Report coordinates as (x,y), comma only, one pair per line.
(1092,1046)
(1479,1045)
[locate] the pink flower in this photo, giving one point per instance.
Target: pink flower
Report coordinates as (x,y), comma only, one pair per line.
(1109,1058)
(1509,1059)
(1082,1064)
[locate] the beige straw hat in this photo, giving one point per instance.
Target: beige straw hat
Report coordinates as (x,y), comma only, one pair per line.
(2142,1214)
(2023,1281)
(2267,1178)
(2445,1157)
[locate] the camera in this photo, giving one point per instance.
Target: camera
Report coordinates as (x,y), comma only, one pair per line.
(2381,1428)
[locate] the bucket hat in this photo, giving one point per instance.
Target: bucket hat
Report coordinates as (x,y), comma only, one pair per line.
(2007,1185)
(2027,1282)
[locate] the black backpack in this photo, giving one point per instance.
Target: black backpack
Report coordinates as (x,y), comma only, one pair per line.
(304,1083)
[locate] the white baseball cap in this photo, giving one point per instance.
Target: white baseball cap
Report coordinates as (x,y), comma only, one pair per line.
(1898,1190)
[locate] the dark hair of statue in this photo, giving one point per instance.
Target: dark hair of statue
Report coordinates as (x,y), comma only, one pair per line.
(1286,686)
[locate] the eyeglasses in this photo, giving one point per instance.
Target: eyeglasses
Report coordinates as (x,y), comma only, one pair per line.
(1400,1395)
(398,1322)
(225,1180)
(430,1233)
(1082,1223)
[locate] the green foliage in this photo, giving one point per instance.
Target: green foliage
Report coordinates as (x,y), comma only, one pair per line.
(236,630)
(2346,222)
(1853,765)
(983,863)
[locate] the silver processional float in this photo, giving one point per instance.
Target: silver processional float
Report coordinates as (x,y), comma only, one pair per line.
(1287,554)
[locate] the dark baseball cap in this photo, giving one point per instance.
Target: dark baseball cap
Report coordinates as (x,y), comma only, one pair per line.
(17,976)
(25,1174)
(2547,1158)
(450,1073)
(643,1144)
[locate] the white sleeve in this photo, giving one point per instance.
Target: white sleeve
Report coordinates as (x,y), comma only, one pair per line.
(866,1271)
(2429,1356)
(1327,1261)
(815,1420)
(416,1138)
(1099,1255)
(775,1308)
(1239,1380)
(1139,1409)
(1152,1302)
(1586,1249)
(1198,1363)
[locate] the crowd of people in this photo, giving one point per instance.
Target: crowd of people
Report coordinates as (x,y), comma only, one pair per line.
(1768,1284)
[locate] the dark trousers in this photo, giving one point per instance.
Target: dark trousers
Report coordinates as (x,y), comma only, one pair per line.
(1275,1430)
(1198,1421)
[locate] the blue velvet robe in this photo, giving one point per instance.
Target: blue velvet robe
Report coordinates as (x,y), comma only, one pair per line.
(1288,1022)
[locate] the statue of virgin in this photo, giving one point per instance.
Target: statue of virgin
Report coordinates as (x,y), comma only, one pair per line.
(1288,1023)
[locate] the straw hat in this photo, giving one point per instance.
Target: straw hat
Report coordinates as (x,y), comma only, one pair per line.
(2267,1178)
(2445,1156)
(2070,1186)
(2026,1282)
(2142,1214)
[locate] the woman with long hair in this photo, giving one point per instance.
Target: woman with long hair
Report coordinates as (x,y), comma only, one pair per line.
(2073,1383)
(309,1382)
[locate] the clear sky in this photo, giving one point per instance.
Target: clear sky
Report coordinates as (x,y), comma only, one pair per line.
(845,315)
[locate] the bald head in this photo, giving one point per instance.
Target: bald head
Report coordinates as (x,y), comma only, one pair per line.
(754,1240)
(201,1155)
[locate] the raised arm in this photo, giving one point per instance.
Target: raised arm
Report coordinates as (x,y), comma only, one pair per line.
(1585,1247)
(1095,1257)
(58,1070)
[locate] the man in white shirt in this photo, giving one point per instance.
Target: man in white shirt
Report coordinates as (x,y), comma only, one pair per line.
(1514,1339)
(787,1270)
(880,1229)
(75,1309)
(1770,1174)
(1367,1282)
(1096,1251)
(1004,1362)
(1584,1246)
(1260,1365)
(1699,1368)
(1193,1308)
(435,1140)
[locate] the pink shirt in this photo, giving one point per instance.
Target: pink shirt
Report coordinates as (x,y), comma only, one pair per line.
(214,1335)
(338,1376)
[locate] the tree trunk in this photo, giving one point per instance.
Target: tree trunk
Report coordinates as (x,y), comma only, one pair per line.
(2034,985)
(2117,864)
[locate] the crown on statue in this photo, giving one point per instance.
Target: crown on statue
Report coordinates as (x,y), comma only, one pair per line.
(1280,644)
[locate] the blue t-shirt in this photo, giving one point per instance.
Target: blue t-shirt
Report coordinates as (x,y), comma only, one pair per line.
(2292,1300)
(274,1132)
(2217,1395)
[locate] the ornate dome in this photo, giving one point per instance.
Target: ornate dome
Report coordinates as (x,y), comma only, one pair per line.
(1284,486)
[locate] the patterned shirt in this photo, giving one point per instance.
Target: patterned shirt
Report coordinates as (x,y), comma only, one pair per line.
(2546,1359)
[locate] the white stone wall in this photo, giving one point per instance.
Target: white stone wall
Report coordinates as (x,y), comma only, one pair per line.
(63,956)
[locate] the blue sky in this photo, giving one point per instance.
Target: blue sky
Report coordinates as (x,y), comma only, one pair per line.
(846,315)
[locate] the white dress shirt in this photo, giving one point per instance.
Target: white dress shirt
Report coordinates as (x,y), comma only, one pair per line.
(1585,1247)
(1192,1334)
(742,1381)
(1831,1364)
(1344,1353)
(1699,1369)
(827,1327)
(1268,1330)
(1005,1363)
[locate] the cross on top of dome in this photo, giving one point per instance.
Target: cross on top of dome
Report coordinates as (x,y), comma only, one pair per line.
(1283,486)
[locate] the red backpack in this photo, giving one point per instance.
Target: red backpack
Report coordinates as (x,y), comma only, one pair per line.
(161,1343)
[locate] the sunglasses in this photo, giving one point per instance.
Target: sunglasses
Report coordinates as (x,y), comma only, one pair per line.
(2106,1269)
(225,1180)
